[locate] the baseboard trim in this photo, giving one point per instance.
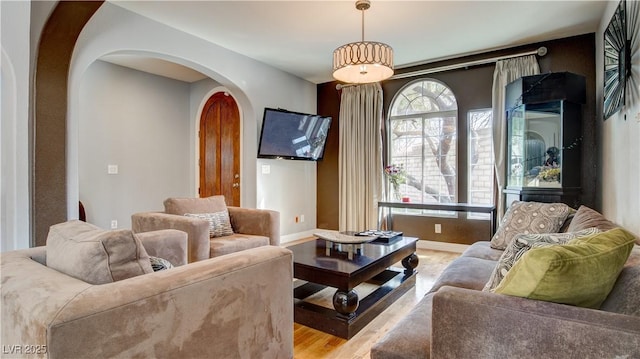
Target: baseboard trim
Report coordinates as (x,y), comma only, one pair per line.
(442,246)
(295,236)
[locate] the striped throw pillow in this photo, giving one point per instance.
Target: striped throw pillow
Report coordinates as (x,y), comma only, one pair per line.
(219,222)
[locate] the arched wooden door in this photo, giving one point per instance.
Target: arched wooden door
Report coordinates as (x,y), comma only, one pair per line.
(220,148)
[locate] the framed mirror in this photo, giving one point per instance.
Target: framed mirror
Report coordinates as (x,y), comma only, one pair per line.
(615,61)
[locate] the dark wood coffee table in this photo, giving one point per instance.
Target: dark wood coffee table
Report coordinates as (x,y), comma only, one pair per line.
(322,268)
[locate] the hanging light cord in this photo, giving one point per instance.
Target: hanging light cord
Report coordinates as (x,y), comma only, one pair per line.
(363,5)
(362,10)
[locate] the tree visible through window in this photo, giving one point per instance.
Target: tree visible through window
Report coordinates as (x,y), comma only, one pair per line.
(423,139)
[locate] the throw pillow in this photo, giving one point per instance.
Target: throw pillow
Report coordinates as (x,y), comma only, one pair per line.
(95,255)
(521,244)
(527,218)
(581,272)
(159,264)
(567,222)
(219,222)
(587,217)
(180,206)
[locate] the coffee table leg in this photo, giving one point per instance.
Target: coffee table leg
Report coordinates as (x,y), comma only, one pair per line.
(345,303)
(410,263)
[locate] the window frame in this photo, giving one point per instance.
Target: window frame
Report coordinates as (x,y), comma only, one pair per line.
(423,116)
(470,215)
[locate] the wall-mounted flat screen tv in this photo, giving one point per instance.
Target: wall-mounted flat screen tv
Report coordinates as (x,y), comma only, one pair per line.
(293,135)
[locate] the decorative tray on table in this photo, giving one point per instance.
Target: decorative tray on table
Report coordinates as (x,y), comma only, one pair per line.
(381,236)
(345,242)
(344,237)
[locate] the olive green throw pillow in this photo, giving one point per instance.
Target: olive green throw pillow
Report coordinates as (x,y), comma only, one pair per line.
(581,272)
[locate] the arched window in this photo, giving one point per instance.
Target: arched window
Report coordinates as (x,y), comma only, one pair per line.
(422,138)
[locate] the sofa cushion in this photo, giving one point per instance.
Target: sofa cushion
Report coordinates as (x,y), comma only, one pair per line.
(219,222)
(410,338)
(482,250)
(581,272)
(95,255)
(522,243)
(180,206)
(623,298)
(529,217)
(235,243)
(465,272)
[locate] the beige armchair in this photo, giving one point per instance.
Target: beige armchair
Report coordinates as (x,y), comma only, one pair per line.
(251,227)
(239,305)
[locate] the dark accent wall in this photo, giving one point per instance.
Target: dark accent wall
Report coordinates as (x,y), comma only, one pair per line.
(472,87)
(49,174)
(327,197)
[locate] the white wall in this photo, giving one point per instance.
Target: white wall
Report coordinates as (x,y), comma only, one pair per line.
(254,85)
(620,138)
(291,187)
(139,122)
(14,131)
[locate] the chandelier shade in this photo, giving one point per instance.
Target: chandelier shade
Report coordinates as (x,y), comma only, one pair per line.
(364,61)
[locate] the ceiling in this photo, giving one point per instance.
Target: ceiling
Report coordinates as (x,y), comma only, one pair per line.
(299,36)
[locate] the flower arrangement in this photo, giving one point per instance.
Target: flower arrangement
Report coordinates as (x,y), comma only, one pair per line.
(397,176)
(549,174)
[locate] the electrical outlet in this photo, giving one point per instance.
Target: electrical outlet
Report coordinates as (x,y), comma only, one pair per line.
(438,228)
(114,224)
(112,169)
(302,218)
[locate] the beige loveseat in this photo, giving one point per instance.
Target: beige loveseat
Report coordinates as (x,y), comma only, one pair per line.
(236,306)
(251,227)
(457,319)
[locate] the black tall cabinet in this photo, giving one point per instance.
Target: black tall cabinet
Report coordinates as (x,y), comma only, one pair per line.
(544,138)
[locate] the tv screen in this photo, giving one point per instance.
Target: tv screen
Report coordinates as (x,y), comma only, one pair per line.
(293,135)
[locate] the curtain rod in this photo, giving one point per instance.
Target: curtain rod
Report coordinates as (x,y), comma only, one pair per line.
(541,51)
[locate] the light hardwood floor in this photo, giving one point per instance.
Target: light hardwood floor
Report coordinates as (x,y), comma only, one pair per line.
(312,344)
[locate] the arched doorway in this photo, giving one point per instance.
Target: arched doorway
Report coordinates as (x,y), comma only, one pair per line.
(220,148)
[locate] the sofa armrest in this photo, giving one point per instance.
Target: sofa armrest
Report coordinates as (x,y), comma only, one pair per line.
(197,230)
(260,222)
(237,305)
(474,324)
(170,244)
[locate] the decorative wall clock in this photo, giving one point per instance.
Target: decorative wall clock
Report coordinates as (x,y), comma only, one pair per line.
(616,61)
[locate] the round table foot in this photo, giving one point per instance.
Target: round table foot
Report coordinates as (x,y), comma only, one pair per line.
(410,263)
(345,303)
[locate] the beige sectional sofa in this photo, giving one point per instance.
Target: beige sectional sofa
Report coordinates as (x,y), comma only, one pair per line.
(105,301)
(457,319)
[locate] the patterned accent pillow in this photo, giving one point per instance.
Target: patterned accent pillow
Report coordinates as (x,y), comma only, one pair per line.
(159,264)
(522,243)
(529,218)
(219,222)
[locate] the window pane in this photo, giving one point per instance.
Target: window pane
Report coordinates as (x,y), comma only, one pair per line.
(423,139)
(480,190)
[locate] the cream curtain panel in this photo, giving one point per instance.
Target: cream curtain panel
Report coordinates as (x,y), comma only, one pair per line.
(506,71)
(360,159)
